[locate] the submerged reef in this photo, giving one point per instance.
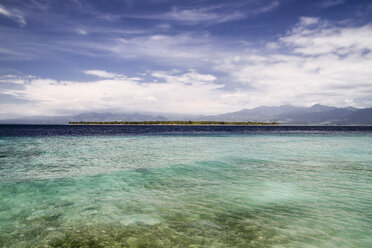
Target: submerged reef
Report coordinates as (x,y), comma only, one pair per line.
(224,232)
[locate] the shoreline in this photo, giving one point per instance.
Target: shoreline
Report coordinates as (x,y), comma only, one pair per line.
(175,123)
(166,125)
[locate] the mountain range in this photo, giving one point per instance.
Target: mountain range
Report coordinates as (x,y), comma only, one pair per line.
(285,114)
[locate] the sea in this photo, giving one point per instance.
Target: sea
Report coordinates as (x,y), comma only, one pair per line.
(185,186)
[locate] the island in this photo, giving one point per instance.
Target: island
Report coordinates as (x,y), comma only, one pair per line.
(199,123)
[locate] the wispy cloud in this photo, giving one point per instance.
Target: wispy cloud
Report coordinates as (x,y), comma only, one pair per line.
(13,14)
(101,74)
(213,14)
(109,75)
(194,16)
(307,21)
(81,31)
(183,49)
(266,7)
(331,3)
(39,4)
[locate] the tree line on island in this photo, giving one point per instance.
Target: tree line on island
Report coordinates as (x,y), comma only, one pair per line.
(249,123)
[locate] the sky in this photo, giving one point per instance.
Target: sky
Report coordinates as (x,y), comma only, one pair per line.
(190,57)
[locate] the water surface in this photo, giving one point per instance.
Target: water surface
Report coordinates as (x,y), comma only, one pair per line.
(110,186)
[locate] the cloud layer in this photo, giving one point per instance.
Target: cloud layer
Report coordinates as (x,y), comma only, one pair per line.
(328,65)
(185,57)
(188,93)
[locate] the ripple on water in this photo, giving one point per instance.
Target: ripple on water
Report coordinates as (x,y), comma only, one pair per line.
(176,191)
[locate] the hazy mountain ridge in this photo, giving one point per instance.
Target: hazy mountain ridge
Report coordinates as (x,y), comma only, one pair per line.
(84,117)
(116,117)
(285,114)
(316,114)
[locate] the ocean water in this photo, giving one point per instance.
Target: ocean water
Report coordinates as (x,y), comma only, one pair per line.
(167,186)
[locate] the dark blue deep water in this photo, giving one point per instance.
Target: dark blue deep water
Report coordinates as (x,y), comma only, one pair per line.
(113,130)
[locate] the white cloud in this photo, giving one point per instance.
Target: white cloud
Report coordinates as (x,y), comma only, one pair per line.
(81,31)
(4,11)
(200,15)
(15,15)
(192,77)
(190,92)
(285,79)
(324,39)
(307,21)
(102,74)
(328,65)
(272,45)
(14,79)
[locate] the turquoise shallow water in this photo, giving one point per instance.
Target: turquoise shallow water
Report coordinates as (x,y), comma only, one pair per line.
(186,191)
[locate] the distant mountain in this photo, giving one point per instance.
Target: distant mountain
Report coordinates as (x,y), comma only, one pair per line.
(285,114)
(262,113)
(116,117)
(83,117)
(317,108)
(38,120)
(362,116)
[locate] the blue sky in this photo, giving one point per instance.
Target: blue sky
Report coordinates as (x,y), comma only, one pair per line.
(201,57)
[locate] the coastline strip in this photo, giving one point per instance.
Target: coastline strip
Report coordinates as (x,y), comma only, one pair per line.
(197,123)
